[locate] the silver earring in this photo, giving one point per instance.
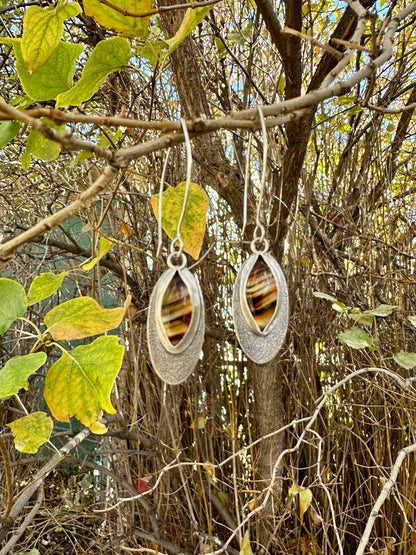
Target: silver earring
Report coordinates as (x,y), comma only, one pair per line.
(260,299)
(176,319)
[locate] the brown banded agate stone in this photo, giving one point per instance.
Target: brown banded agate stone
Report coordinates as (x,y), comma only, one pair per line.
(176,309)
(261,293)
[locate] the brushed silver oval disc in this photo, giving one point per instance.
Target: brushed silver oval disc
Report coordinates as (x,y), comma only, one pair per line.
(174,365)
(260,347)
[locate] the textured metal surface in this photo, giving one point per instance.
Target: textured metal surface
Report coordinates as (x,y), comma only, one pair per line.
(261,347)
(173,364)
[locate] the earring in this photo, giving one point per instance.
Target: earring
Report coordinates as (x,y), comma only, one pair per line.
(260,298)
(176,320)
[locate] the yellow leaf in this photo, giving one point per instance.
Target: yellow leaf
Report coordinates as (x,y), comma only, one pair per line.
(79,383)
(245,545)
(32,431)
(191,19)
(82,317)
(112,19)
(105,246)
(194,222)
(305,499)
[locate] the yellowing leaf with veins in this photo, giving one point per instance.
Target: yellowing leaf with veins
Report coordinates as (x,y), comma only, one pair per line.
(42,32)
(194,222)
(82,317)
(32,431)
(79,383)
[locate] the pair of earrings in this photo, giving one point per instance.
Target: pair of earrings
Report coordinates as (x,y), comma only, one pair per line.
(176,319)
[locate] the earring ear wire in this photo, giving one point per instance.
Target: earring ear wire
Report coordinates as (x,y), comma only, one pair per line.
(159,211)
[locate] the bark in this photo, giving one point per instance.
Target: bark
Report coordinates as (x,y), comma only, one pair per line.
(216,170)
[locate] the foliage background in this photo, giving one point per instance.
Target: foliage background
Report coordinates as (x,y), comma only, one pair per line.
(340,200)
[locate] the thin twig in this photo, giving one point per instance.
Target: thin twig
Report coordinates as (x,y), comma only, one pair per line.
(161,9)
(353,45)
(20,531)
(9,479)
(313,41)
(390,110)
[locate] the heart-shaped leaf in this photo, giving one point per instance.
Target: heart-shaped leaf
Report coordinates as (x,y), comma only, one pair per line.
(79,383)
(14,374)
(194,221)
(356,338)
(32,431)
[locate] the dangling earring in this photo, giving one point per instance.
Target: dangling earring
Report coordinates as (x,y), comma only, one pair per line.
(260,299)
(176,319)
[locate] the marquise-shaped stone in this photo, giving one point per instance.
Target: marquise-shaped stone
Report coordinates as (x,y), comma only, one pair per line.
(176,309)
(261,293)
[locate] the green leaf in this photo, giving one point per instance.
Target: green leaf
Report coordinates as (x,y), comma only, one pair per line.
(336,304)
(13,303)
(108,56)
(194,222)
(82,317)
(8,131)
(382,310)
(362,318)
(356,338)
(152,51)
(245,545)
(54,77)
(79,384)
(222,51)
(32,431)
(191,19)
(236,37)
(44,286)
(406,360)
(14,374)
(42,32)
(125,25)
(105,247)
(367,316)
(40,147)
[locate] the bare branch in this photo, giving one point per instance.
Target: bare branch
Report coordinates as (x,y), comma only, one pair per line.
(383,496)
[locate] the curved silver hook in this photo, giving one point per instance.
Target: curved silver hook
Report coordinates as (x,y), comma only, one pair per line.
(246,180)
(178,239)
(159,212)
(259,225)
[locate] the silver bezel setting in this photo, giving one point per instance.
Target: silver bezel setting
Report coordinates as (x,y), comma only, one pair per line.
(245,273)
(193,289)
(260,346)
(174,363)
